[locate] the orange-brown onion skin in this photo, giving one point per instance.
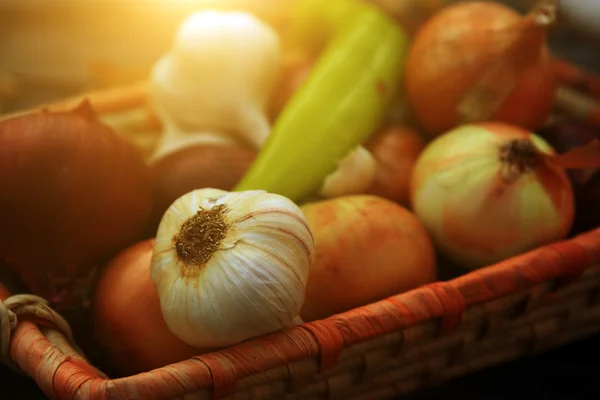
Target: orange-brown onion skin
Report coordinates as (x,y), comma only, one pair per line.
(367,248)
(127,319)
(473,216)
(296,67)
(396,149)
(436,80)
(73,193)
(195,167)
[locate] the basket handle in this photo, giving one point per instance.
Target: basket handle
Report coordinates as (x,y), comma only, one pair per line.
(27,307)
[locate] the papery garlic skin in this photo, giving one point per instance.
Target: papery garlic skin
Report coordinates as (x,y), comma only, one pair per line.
(218,76)
(354,175)
(173,140)
(253,284)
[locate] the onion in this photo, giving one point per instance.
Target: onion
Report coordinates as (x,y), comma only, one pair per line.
(366,249)
(195,167)
(568,135)
(127,320)
(477,61)
(489,191)
(74,192)
(295,69)
(396,149)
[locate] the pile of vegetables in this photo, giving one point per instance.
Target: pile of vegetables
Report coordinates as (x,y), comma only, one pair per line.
(300,172)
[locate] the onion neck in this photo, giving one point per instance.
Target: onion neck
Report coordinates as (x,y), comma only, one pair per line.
(533,35)
(199,237)
(542,16)
(518,157)
(544,13)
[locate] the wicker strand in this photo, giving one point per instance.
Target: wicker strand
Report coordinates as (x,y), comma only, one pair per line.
(27,307)
(8,322)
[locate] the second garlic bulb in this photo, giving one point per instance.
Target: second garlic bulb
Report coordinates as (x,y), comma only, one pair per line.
(229,266)
(217,78)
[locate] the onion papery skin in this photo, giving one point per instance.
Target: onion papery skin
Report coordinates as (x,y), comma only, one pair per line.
(73,192)
(473,215)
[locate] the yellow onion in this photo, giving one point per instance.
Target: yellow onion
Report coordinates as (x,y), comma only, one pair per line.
(476,61)
(489,191)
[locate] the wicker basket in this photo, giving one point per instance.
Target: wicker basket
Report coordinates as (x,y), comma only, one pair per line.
(518,307)
(513,309)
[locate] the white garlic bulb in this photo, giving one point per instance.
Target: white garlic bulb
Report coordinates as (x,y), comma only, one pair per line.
(229,266)
(217,78)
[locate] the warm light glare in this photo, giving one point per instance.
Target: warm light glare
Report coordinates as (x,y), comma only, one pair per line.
(204,3)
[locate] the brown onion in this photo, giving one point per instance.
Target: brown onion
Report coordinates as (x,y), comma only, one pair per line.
(73,193)
(366,249)
(396,149)
(481,60)
(127,319)
(295,69)
(196,167)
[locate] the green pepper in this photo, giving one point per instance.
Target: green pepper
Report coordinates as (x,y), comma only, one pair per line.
(341,104)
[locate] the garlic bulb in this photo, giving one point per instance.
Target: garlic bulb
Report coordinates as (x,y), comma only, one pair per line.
(229,266)
(217,78)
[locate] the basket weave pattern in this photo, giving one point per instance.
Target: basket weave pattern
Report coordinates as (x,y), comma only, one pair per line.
(515,308)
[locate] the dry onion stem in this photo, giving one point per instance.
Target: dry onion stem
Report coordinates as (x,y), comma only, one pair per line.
(487,96)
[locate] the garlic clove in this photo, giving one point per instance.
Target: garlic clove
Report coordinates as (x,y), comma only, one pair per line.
(228,266)
(354,175)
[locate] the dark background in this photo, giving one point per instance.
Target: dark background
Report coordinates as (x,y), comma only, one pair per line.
(570,372)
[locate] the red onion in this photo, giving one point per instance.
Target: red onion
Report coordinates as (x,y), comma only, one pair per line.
(73,193)
(568,135)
